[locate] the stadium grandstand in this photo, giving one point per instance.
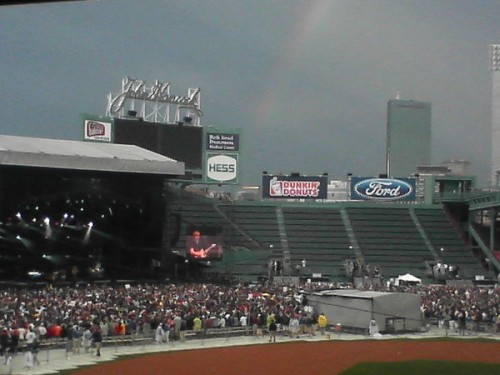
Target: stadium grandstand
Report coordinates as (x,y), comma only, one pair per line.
(81,210)
(338,241)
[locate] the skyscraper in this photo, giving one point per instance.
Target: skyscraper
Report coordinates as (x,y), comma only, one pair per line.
(408,136)
(495,114)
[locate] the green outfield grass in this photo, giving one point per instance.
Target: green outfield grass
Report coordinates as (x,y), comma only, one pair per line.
(423,367)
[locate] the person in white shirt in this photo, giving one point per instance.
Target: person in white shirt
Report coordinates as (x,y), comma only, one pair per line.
(243,321)
(30,342)
(294,327)
(30,337)
(87,340)
(159,334)
(42,332)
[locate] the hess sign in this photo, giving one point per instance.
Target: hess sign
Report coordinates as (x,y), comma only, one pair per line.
(222,168)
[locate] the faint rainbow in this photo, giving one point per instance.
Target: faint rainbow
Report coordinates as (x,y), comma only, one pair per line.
(312,18)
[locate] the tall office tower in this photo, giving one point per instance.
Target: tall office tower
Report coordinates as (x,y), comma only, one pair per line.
(408,136)
(495,114)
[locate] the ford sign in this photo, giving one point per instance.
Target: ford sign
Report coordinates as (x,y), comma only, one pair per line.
(383,189)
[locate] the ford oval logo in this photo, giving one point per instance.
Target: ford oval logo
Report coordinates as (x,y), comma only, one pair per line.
(383,189)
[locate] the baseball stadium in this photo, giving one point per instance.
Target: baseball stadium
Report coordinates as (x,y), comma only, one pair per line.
(136,249)
(127,242)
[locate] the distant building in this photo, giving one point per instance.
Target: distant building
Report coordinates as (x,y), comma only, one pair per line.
(495,114)
(408,136)
(457,167)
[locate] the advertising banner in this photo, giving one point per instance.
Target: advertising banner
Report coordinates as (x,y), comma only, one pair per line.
(222,167)
(97,131)
(222,142)
(383,189)
(294,187)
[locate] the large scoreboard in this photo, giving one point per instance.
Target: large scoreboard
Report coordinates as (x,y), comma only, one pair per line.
(179,142)
(210,155)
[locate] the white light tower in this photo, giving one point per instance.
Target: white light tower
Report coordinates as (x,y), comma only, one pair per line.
(495,113)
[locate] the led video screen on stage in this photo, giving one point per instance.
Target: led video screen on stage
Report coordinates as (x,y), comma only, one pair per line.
(179,142)
(204,243)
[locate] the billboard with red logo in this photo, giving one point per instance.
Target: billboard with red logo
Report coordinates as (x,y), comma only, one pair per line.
(96,130)
(294,187)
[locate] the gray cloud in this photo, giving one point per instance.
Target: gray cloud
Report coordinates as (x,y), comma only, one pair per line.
(307,81)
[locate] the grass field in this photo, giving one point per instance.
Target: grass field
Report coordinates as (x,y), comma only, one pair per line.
(423,367)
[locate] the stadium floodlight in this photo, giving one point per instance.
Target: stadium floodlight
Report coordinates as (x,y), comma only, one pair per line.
(86,237)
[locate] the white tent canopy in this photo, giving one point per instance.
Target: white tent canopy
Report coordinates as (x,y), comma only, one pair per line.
(409,278)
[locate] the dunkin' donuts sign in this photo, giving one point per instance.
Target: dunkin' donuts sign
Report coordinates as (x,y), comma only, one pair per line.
(383,189)
(296,187)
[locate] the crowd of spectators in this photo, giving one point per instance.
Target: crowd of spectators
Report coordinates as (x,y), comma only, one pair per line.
(470,305)
(78,312)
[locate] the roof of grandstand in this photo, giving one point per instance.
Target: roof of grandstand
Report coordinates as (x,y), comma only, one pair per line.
(79,155)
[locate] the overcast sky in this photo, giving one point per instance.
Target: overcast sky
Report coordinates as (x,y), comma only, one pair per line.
(306,81)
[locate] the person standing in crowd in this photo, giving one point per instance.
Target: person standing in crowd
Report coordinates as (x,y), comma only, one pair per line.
(446,322)
(77,339)
(159,334)
(34,351)
(244,321)
(309,321)
(4,341)
(273,328)
(166,332)
(182,329)
(30,338)
(14,340)
(42,332)
(30,342)
(68,334)
(322,323)
(97,340)
(87,340)
(177,326)
(294,327)
(197,325)
(462,319)
(269,319)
